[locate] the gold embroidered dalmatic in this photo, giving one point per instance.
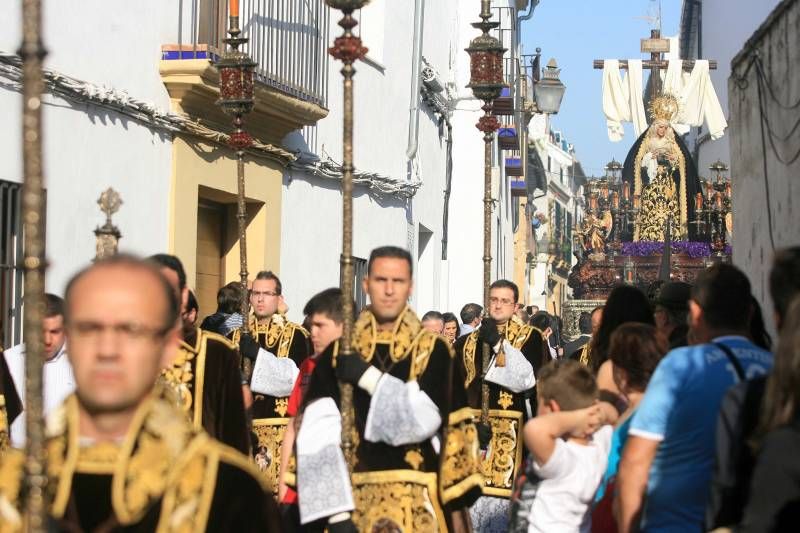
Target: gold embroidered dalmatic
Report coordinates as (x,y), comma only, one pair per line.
(283,339)
(407,486)
(507,411)
(164,476)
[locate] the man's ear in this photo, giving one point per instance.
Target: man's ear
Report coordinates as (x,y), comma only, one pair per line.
(171,343)
(695,313)
(184,299)
(554,407)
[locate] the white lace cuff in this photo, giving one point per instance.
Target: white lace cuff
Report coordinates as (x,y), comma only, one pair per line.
(400,413)
(323,481)
(273,376)
(516,375)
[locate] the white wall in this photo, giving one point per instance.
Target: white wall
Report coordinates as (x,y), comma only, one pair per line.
(312,211)
(725,30)
(88,149)
(311,219)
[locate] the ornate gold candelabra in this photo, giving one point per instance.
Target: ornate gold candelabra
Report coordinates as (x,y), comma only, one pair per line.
(236,99)
(32,52)
(486,82)
(713,211)
(348,49)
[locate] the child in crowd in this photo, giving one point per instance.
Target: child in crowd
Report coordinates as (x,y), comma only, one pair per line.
(324,316)
(569,442)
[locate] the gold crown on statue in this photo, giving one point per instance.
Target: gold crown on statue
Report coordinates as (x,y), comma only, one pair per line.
(665,107)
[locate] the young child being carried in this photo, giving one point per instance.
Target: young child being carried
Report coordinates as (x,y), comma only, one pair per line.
(569,441)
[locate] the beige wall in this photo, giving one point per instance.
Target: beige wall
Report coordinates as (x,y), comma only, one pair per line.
(206,170)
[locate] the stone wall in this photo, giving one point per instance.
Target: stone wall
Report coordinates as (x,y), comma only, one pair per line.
(763,87)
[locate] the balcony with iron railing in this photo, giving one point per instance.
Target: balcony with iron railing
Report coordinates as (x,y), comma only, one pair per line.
(287,39)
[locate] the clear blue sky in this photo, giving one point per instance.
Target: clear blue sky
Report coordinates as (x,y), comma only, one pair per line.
(576,32)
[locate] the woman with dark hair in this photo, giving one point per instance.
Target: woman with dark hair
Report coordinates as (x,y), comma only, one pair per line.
(758,331)
(774,497)
(626,303)
(451,327)
(634,352)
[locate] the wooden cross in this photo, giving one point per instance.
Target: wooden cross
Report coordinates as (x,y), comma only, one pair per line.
(656,46)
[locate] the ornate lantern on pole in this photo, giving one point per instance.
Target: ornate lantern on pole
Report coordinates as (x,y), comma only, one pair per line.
(236,99)
(348,49)
(33,52)
(486,82)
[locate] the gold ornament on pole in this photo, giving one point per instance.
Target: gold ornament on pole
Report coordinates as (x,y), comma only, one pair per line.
(32,53)
(107,235)
(236,98)
(486,82)
(348,49)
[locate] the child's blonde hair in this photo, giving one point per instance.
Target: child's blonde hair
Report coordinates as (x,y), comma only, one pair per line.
(571,384)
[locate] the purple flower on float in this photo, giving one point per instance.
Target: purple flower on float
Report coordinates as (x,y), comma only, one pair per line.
(693,249)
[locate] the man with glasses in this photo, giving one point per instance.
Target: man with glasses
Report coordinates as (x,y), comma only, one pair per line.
(277,348)
(203,376)
(119,455)
(517,352)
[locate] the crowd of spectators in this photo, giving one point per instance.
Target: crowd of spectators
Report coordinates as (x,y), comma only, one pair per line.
(679,419)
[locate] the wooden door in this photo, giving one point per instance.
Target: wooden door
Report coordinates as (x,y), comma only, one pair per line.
(210,265)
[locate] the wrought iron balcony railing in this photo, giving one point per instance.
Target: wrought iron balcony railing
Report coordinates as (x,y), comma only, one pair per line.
(288,40)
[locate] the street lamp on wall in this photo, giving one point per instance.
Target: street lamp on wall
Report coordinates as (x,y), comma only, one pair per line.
(549,90)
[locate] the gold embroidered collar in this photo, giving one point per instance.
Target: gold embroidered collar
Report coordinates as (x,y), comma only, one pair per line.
(516,331)
(273,328)
(401,338)
(140,466)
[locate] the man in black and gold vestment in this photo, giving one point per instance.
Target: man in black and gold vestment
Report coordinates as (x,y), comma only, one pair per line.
(121,457)
(277,347)
(416,462)
(10,404)
(203,377)
(517,352)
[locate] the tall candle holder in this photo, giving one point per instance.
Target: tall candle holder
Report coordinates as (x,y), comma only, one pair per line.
(714,208)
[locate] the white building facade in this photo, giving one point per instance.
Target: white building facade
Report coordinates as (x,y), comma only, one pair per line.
(144,122)
(562,204)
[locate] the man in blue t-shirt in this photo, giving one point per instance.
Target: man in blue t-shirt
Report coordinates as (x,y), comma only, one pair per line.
(664,476)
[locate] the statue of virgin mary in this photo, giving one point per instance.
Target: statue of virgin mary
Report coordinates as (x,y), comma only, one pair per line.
(662,175)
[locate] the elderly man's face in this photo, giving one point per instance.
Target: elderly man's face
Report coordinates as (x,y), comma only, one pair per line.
(118,337)
(434,325)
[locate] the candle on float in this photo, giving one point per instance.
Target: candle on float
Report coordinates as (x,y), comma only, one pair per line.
(234,8)
(615,200)
(636,201)
(698,201)
(708,188)
(593,201)
(604,190)
(728,189)
(626,191)
(718,200)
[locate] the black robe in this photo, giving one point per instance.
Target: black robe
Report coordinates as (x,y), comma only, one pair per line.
(410,353)
(212,398)
(692,184)
(11,406)
(507,410)
(162,469)
(269,413)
